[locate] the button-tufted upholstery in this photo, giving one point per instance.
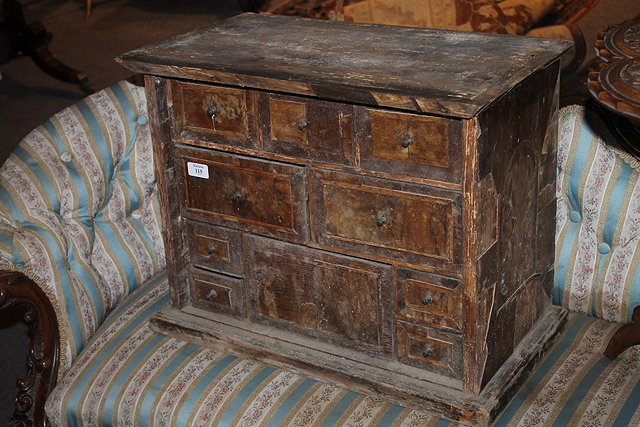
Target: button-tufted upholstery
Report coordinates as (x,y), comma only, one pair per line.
(79,214)
(598,221)
(78,209)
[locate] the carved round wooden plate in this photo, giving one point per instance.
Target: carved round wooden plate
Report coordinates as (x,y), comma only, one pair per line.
(614,80)
(617,86)
(623,40)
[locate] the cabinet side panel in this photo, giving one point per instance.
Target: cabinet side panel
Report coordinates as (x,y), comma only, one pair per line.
(515,240)
(158,99)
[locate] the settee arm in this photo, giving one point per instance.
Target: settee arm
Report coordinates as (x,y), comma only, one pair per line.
(43,358)
(80,222)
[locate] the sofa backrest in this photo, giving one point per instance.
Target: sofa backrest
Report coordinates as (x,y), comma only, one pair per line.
(598,221)
(79,210)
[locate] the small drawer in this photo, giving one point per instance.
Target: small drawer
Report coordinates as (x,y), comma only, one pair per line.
(411,144)
(216,292)
(310,129)
(207,113)
(430,349)
(214,248)
(409,223)
(430,299)
(243,193)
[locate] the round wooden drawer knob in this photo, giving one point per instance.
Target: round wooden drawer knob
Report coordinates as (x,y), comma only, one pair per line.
(211,112)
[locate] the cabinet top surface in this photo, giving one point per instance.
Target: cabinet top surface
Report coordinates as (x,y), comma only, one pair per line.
(457,72)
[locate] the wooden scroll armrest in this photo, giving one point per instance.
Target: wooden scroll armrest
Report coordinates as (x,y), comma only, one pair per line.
(16,289)
(627,336)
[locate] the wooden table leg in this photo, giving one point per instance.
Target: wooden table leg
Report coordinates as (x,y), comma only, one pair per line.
(22,39)
(628,335)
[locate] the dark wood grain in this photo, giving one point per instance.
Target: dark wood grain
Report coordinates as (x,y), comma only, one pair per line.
(614,82)
(214,248)
(430,299)
(455,73)
(214,113)
(417,140)
(431,349)
(308,129)
(391,192)
(157,92)
(332,297)
(627,336)
(398,221)
(519,264)
(216,292)
(43,358)
(410,144)
(240,192)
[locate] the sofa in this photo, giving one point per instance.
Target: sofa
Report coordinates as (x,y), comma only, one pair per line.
(81,249)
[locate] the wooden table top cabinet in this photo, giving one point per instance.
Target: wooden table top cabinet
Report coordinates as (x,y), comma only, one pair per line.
(369,204)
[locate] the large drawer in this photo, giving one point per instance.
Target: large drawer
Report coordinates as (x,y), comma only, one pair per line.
(408,223)
(307,128)
(208,113)
(243,193)
(410,144)
(335,298)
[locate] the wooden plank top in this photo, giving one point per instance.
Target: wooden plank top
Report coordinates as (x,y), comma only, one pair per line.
(448,73)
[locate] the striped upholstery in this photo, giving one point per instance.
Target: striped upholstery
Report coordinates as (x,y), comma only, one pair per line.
(78,210)
(575,385)
(79,214)
(130,375)
(598,223)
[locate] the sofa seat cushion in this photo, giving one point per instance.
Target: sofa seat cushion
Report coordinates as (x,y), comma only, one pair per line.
(597,267)
(131,375)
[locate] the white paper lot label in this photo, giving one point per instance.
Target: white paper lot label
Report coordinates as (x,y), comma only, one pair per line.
(198,170)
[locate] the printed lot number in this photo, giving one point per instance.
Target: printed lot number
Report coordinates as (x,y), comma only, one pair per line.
(198,170)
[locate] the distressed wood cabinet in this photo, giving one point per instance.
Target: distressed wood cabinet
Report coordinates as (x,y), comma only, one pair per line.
(370,204)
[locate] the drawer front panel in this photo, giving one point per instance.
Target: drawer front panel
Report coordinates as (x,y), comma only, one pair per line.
(214,247)
(238,192)
(430,299)
(410,144)
(431,349)
(310,129)
(215,114)
(388,219)
(216,292)
(335,298)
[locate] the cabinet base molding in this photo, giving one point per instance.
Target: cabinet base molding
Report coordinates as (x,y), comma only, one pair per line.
(376,376)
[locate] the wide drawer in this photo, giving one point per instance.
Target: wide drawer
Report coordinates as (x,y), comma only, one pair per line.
(335,298)
(431,349)
(306,128)
(243,193)
(214,247)
(208,113)
(410,144)
(216,292)
(430,299)
(408,223)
